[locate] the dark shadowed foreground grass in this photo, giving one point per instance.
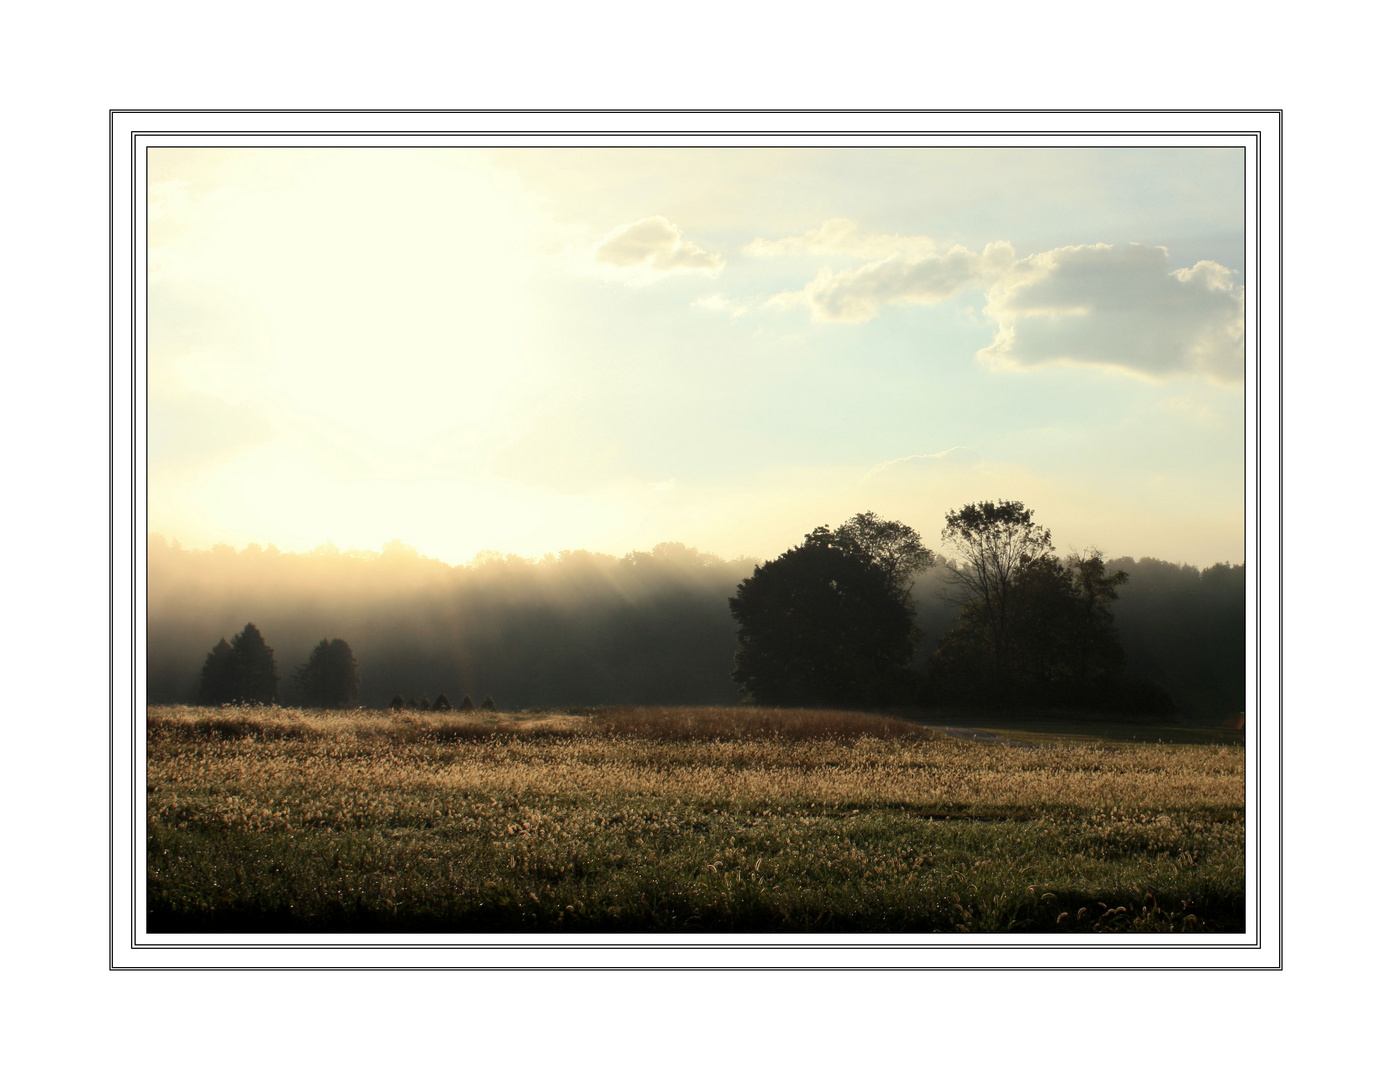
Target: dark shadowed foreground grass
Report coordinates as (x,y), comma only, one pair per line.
(677,821)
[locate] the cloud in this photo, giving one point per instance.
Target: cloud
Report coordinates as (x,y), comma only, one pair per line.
(1121,308)
(962,456)
(1111,306)
(857,295)
(655,245)
(716,302)
(841,236)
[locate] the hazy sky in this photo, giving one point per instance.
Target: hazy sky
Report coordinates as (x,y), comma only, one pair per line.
(535,350)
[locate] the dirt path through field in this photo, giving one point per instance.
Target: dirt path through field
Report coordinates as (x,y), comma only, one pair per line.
(977,735)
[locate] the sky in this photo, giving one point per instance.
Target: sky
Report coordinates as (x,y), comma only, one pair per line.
(536,350)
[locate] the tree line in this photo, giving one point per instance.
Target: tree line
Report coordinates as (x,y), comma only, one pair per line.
(831,621)
(655,627)
(243,672)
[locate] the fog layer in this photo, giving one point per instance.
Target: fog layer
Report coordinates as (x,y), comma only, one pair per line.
(580,628)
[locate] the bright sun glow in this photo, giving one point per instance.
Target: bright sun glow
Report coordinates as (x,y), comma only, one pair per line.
(532,351)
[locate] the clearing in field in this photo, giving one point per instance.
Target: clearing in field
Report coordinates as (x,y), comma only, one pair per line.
(680,821)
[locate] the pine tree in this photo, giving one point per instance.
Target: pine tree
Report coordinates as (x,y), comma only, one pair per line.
(329,678)
(218,684)
(253,668)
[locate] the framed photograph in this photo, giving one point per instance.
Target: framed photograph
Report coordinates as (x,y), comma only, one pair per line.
(681,540)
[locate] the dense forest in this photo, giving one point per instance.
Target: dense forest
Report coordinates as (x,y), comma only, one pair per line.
(580,628)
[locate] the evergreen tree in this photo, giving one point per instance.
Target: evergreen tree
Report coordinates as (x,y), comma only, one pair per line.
(218,683)
(253,668)
(329,678)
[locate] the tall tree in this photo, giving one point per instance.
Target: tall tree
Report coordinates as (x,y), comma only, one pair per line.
(253,667)
(992,544)
(823,624)
(1064,632)
(1032,629)
(218,683)
(890,545)
(329,678)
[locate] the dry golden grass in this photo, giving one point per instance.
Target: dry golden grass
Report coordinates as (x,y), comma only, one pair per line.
(661,819)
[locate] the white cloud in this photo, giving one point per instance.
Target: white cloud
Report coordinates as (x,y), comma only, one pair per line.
(716,302)
(841,236)
(962,456)
(1118,307)
(1101,305)
(857,295)
(655,245)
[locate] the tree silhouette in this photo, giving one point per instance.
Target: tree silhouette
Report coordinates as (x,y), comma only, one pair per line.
(441,704)
(891,545)
(488,705)
(329,678)
(218,684)
(467,705)
(1032,629)
(823,624)
(242,672)
(253,667)
(397,703)
(993,543)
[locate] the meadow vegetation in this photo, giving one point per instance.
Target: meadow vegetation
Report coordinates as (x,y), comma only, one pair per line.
(678,820)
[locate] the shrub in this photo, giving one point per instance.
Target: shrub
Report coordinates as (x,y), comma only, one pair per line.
(442,704)
(467,705)
(488,705)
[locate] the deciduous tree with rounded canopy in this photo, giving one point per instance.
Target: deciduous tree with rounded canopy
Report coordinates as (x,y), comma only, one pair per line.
(823,624)
(329,678)
(1032,629)
(891,545)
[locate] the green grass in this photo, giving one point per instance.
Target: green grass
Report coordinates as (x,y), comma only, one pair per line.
(677,821)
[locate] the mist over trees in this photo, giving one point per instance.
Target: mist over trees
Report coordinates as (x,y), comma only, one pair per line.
(574,628)
(1185,629)
(581,628)
(329,678)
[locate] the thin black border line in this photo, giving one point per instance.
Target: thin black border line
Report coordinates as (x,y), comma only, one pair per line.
(373,945)
(666,967)
(1242,146)
(135,136)
(135,338)
(1280,519)
(1255,478)
(111,533)
(1234,134)
(535,947)
(702,112)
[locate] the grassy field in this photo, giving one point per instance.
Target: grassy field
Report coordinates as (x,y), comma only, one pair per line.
(682,821)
